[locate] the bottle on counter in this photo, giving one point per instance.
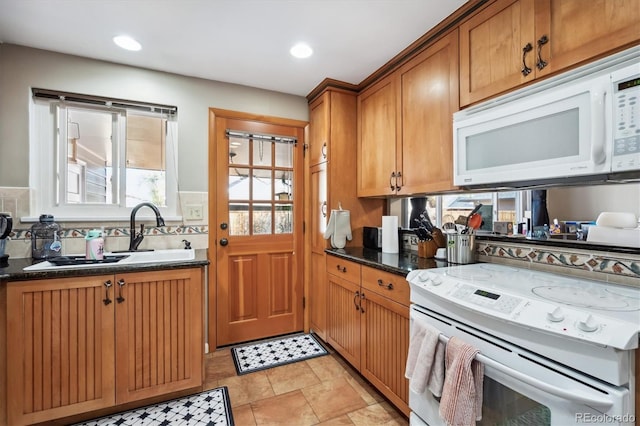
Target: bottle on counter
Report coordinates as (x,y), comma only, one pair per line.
(45,238)
(94,245)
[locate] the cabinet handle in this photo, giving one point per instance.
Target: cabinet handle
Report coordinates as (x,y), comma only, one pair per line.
(121,284)
(526,49)
(382,284)
(107,284)
(323,209)
(323,150)
(341,269)
(357,295)
(361,298)
(398,175)
(391,185)
(541,42)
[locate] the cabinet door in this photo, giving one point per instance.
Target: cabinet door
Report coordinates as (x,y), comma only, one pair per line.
(343,320)
(319,125)
(385,344)
(581,30)
(429,89)
(318,295)
(377,136)
(159,339)
(319,207)
(491,49)
(61,339)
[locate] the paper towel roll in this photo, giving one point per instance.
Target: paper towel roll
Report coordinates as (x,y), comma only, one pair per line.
(390,234)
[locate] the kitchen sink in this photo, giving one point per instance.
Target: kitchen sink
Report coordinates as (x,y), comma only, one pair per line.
(111,259)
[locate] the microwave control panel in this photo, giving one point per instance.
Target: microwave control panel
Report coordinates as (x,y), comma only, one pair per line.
(626,124)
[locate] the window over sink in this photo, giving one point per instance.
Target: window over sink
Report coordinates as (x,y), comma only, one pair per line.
(98,157)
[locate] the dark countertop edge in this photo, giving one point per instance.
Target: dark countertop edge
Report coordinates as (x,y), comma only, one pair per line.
(398,264)
(569,244)
(15,273)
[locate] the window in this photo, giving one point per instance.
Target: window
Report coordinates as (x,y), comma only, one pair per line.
(99,158)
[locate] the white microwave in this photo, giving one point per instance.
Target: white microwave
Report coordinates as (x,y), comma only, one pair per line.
(582,124)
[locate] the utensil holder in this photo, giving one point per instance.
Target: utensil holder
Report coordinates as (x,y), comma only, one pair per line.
(427,249)
(461,248)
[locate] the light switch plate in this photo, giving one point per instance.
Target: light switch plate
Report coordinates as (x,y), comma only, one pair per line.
(193,211)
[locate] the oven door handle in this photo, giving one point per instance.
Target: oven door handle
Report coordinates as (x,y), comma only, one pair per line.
(561,393)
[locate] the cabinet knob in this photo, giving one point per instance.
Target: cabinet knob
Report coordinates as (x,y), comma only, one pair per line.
(391,185)
(356,296)
(341,268)
(323,209)
(121,284)
(323,150)
(389,286)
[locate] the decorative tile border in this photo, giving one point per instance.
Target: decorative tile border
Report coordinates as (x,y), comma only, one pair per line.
(618,264)
(25,234)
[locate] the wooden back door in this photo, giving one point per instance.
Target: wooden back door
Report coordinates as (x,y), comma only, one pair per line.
(257,224)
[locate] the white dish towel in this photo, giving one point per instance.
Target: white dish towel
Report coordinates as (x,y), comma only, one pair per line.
(339,228)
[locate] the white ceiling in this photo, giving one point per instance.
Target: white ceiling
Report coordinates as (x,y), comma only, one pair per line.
(237,41)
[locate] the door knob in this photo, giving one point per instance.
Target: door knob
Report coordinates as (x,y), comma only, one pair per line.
(224,242)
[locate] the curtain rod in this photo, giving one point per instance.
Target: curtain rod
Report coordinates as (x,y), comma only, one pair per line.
(99,100)
(261,137)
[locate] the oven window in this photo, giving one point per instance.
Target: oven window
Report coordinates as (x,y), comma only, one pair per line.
(504,407)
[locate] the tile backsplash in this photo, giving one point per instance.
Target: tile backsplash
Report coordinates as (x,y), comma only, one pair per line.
(15,201)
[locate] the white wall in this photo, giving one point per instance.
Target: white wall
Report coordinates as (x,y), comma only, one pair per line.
(22,68)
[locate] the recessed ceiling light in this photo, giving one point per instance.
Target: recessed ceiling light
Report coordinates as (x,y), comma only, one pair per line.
(301,50)
(127,42)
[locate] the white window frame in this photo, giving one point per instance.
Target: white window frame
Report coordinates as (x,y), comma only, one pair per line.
(44,155)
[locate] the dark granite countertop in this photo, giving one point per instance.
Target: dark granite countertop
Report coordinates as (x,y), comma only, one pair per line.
(400,264)
(14,272)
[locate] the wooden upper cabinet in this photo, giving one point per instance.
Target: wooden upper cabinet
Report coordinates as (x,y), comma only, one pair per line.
(319,112)
(491,49)
(557,34)
(378,112)
(405,139)
(579,30)
(429,93)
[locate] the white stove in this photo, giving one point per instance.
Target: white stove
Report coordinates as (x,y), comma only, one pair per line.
(538,333)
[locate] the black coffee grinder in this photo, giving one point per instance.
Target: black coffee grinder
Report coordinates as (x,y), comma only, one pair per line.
(6,224)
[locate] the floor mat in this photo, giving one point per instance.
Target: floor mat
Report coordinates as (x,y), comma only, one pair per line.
(265,354)
(207,408)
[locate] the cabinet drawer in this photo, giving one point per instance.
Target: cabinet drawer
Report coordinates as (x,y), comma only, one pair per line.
(343,268)
(393,286)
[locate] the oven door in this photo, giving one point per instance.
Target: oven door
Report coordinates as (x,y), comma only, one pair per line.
(522,388)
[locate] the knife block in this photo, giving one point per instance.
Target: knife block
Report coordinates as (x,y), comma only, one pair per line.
(427,249)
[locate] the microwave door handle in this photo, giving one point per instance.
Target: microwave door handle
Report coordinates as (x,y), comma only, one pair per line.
(598,127)
(600,403)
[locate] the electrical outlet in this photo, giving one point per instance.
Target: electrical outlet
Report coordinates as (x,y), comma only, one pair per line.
(193,211)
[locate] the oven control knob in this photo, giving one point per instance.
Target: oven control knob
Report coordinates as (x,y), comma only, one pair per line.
(556,315)
(588,324)
(424,276)
(436,281)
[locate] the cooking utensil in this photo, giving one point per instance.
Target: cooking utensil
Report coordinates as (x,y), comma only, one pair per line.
(475,221)
(473,212)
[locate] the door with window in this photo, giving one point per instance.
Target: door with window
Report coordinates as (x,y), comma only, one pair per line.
(257,227)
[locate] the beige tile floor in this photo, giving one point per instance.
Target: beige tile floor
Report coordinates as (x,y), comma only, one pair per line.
(318,391)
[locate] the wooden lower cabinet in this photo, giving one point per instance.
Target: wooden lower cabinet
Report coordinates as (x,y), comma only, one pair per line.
(76,345)
(368,324)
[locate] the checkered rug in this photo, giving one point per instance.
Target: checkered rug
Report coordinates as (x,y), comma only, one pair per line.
(207,408)
(265,354)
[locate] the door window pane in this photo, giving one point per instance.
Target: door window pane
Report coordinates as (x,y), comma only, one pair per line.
(284,218)
(238,184)
(283,184)
(284,155)
(262,185)
(238,151)
(238,219)
(261,219)
(262,153)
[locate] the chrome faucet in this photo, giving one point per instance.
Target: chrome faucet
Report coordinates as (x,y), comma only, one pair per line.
(136,239)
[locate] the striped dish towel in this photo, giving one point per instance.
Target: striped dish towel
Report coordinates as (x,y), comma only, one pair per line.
(461,403)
